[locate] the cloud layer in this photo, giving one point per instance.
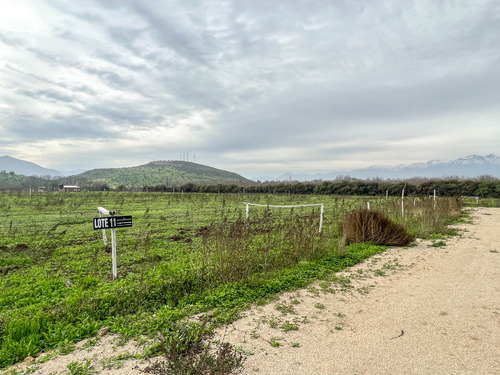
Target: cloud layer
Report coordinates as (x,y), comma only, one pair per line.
(256,87)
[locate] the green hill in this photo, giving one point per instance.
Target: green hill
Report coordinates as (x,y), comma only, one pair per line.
(170,173)
(13,181)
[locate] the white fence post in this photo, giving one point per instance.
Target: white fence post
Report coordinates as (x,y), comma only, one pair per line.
(113,253)
(402,202)
(103,211)
(248,214)
(321,217)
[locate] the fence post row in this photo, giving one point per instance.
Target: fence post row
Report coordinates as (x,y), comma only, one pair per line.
(283,206)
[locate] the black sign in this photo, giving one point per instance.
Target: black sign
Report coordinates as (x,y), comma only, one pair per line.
(109,222)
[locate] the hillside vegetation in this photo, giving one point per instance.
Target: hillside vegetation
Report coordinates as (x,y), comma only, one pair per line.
(166,173)
(12,181)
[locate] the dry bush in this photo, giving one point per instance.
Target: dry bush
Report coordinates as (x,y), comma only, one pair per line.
(373,226)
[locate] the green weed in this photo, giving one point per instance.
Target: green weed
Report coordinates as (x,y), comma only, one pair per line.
(77,368)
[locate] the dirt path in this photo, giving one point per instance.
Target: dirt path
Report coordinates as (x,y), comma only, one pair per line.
(418,310)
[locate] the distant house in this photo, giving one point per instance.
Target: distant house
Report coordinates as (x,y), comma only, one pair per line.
(69,188)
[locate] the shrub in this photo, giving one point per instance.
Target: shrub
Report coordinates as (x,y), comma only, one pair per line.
(373,226)
(188,350)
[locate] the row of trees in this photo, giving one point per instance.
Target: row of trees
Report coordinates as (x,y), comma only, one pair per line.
(484,188)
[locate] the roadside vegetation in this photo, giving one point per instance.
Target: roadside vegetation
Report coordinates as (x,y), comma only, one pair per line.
(185,254)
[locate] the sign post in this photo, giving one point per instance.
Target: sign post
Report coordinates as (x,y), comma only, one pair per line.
(111,222)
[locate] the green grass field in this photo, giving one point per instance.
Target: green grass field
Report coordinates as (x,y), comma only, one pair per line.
(185,254)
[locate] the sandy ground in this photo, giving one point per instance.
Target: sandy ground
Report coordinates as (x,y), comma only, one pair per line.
(417,310)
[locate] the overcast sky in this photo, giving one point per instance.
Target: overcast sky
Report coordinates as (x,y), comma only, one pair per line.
(257,87)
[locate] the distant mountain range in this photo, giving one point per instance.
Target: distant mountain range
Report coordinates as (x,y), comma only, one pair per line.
(26,168)
(179,172)
(469,167)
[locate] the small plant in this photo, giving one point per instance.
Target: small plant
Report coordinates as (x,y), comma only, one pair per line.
(275,342)
(288,326)
(77,368)
(438,244)
(320,306)
(91,343)
(31,369)
(363,290)
(379,273)
(273,322)
(14,372)
(313,290)
(254,335)
(437,236)
(295,345)
(113,362)
(46,357)
(66,347)
(285,309)
(189,350)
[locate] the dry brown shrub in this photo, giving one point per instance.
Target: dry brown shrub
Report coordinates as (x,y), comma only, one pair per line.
(373,226)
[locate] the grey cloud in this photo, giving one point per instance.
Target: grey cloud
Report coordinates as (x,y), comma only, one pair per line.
(12,40)
(124,113)
(111,78)
(122,60)
(47,93)
(27,128)
(170,34)
(342,113)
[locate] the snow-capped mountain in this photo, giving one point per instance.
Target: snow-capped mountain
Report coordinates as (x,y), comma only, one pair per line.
(468,167)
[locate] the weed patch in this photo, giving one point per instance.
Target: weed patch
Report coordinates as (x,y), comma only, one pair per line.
(188,348)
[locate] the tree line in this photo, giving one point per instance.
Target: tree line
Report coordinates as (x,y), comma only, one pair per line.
(482,187)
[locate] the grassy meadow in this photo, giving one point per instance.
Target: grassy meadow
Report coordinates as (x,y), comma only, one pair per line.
(185,254)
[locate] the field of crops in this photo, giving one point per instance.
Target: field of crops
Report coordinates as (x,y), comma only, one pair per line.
(184,254)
